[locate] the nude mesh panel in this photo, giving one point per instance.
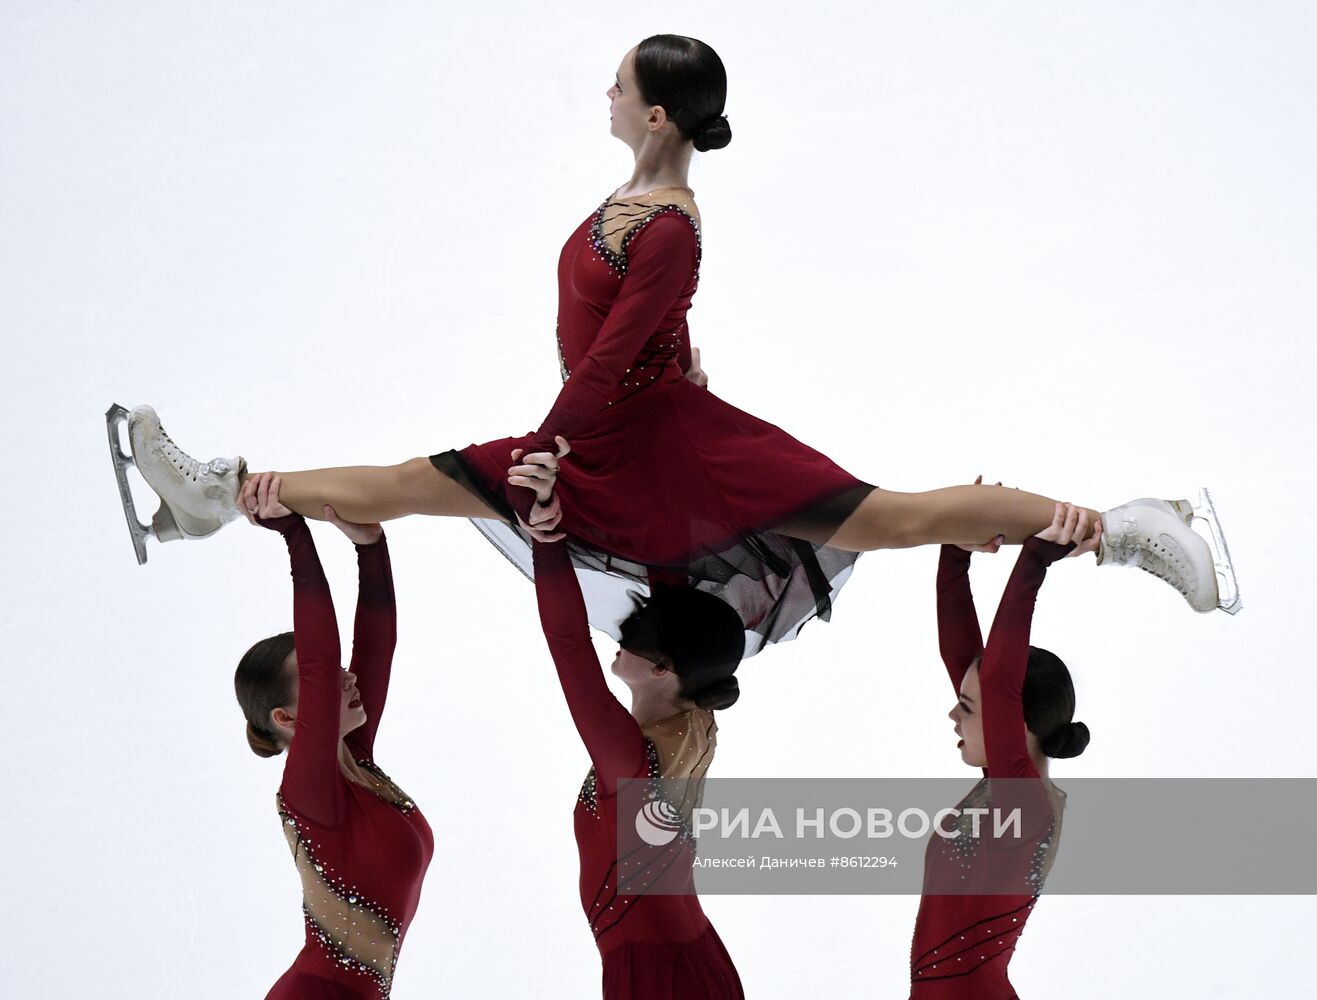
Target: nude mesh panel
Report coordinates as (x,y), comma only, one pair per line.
(623,215)
(686,745)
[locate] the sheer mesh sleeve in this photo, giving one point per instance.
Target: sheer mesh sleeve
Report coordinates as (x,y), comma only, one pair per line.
(374,637)
(312,783)
(612,738)
(958,634)
(1006,659)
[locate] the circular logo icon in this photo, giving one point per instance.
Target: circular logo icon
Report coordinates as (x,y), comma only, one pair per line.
(657,822)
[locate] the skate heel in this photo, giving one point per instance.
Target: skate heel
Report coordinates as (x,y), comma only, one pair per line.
(185,525)
(164,527)
(1183,509)
(1228,599)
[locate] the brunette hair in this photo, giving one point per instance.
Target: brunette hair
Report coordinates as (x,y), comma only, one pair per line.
(702,638)
(1049,705)
(685,77)
(262,686)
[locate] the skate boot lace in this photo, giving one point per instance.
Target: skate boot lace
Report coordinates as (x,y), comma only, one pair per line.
(1161,556)
(186,464)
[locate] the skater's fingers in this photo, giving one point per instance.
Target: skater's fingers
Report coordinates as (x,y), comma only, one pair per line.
(547,459)
(547,511)
(1082,526)
(551,521)
(1091,543)
(272,507)
(517,453)
(564,448)
(1071,523)
(547,473)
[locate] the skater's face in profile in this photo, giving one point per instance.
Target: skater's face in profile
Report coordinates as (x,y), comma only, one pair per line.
(969,721)
(351,714)
(643,673)
(632,118)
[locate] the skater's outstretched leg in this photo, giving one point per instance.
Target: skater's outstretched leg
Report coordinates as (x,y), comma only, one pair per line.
(1148,534)
(198,498)
(955,515)
(370,493)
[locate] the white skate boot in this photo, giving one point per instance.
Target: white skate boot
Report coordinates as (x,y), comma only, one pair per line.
(1156,536)
(196,498)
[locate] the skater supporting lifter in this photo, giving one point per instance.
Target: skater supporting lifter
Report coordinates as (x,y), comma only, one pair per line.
(1014,709)
(678,655)
(360,844)
(664,473)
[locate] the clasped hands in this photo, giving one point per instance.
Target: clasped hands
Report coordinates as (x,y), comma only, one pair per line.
(538,471)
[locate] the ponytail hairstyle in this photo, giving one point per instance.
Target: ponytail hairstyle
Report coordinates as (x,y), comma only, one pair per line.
(686,79)
(262,685)
(1049,706)
(698,635)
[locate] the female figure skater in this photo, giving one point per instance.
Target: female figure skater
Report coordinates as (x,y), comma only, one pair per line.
(360,844)
(665,475)
(1014,710)
(678,656)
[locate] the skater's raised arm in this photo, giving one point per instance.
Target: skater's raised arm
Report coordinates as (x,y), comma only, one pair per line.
(661,259)
(312,784)
(1006,659)
(959,638)
(375,628)
(611,736)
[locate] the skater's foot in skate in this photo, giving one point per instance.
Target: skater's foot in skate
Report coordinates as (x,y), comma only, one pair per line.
(197,498)
(1155,536)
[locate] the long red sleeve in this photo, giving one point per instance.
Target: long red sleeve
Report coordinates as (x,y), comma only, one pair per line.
(958,634)
(612,738)
(660,261)
(374,637)
(311,781)
(1006,660)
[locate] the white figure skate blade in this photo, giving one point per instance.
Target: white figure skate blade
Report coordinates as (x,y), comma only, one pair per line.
(115,417)
(1227,584)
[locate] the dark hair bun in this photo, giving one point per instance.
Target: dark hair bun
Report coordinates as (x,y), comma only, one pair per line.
(1068,741)
(713,134)
(262,745)
(718,695)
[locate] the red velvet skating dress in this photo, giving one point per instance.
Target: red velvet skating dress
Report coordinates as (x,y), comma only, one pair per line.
(653,946)
(664,475)
(361,852)
(980,890)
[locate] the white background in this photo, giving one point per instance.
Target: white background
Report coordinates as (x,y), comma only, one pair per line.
(1069,246)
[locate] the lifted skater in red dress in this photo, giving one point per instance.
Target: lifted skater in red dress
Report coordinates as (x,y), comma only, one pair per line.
(665,476)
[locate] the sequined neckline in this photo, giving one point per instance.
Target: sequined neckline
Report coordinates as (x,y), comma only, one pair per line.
(617,260)
(622,198)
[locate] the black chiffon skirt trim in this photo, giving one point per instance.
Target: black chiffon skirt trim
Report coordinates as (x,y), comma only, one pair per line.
(776,583)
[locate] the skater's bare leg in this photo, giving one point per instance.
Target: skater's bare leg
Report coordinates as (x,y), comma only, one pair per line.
(368,494)
(956,515)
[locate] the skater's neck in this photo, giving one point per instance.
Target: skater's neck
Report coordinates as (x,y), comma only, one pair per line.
(659,166)
(648,708)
